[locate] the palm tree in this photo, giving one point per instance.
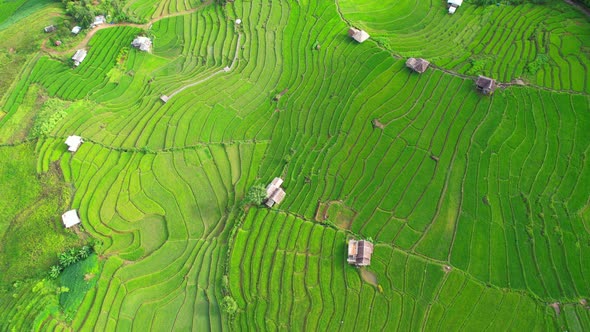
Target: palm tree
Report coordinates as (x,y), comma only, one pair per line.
(54,271)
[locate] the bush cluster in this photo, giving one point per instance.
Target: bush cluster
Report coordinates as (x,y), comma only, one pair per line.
(67,258)
(534,66)
(84,11)
(51,113)
(255,195)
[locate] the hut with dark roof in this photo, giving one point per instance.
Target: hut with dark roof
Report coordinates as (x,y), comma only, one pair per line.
(486,85)
(418,65)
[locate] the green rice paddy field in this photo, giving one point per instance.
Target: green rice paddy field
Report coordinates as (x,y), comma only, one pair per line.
(479,206)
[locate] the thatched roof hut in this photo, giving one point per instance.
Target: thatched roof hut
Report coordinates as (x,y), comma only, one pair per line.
(274,193)
(418,65)
(359,252)
(358,35)
(486,85)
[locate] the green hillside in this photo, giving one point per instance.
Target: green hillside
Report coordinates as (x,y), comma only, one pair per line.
(478,206)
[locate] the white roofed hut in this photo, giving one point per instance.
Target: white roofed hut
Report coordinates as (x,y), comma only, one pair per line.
(79,56)
(50,28)
(70,218)
(359,252)
(358,35)
(76,30)
(274,193)
(418,65)
(142,43)
(98,20)
(486,85)
(74,142)
(453,5)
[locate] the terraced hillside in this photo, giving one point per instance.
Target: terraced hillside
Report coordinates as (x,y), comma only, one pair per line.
(547,45)
(478,206)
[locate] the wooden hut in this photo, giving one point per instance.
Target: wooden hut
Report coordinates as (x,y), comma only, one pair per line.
(418,65)
(360,252)
(358,35)
(274,193)
(486,85)
(79,56)
(50,28)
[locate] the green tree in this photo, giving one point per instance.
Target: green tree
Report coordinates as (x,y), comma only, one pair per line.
(256,195)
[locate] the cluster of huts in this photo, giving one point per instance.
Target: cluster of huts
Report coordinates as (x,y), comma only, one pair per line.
(141,43)
(359,251)
(70,218)
(486,85)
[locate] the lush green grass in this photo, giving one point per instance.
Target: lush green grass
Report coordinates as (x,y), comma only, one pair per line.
(78,278)
(12,11)
(31,228)
(495,187)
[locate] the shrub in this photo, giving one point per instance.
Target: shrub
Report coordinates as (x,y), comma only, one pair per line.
(256,195)
(540,61)
(51,113)
(229,305)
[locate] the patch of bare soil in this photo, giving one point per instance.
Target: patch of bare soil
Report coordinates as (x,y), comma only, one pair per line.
(340,214)
(555,306)
(369,277)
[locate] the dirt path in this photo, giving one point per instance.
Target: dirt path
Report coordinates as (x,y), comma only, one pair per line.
(84,42)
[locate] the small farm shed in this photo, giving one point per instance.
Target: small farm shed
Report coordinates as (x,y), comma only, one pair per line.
(76,30)
(142,43)
(358,35)
(79,56)
(74,142)
(164,98)
(486,85)
(274,193)
(70,218)
(418,65)
(453,5)
(360,252)
(50,28)
(98,20)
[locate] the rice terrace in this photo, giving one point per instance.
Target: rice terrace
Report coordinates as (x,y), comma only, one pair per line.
(327,165)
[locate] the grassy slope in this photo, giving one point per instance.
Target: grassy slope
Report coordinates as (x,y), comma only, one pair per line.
(31,229)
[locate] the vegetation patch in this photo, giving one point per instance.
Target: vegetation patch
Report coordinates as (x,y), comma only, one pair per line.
(75,280)
(31,228)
